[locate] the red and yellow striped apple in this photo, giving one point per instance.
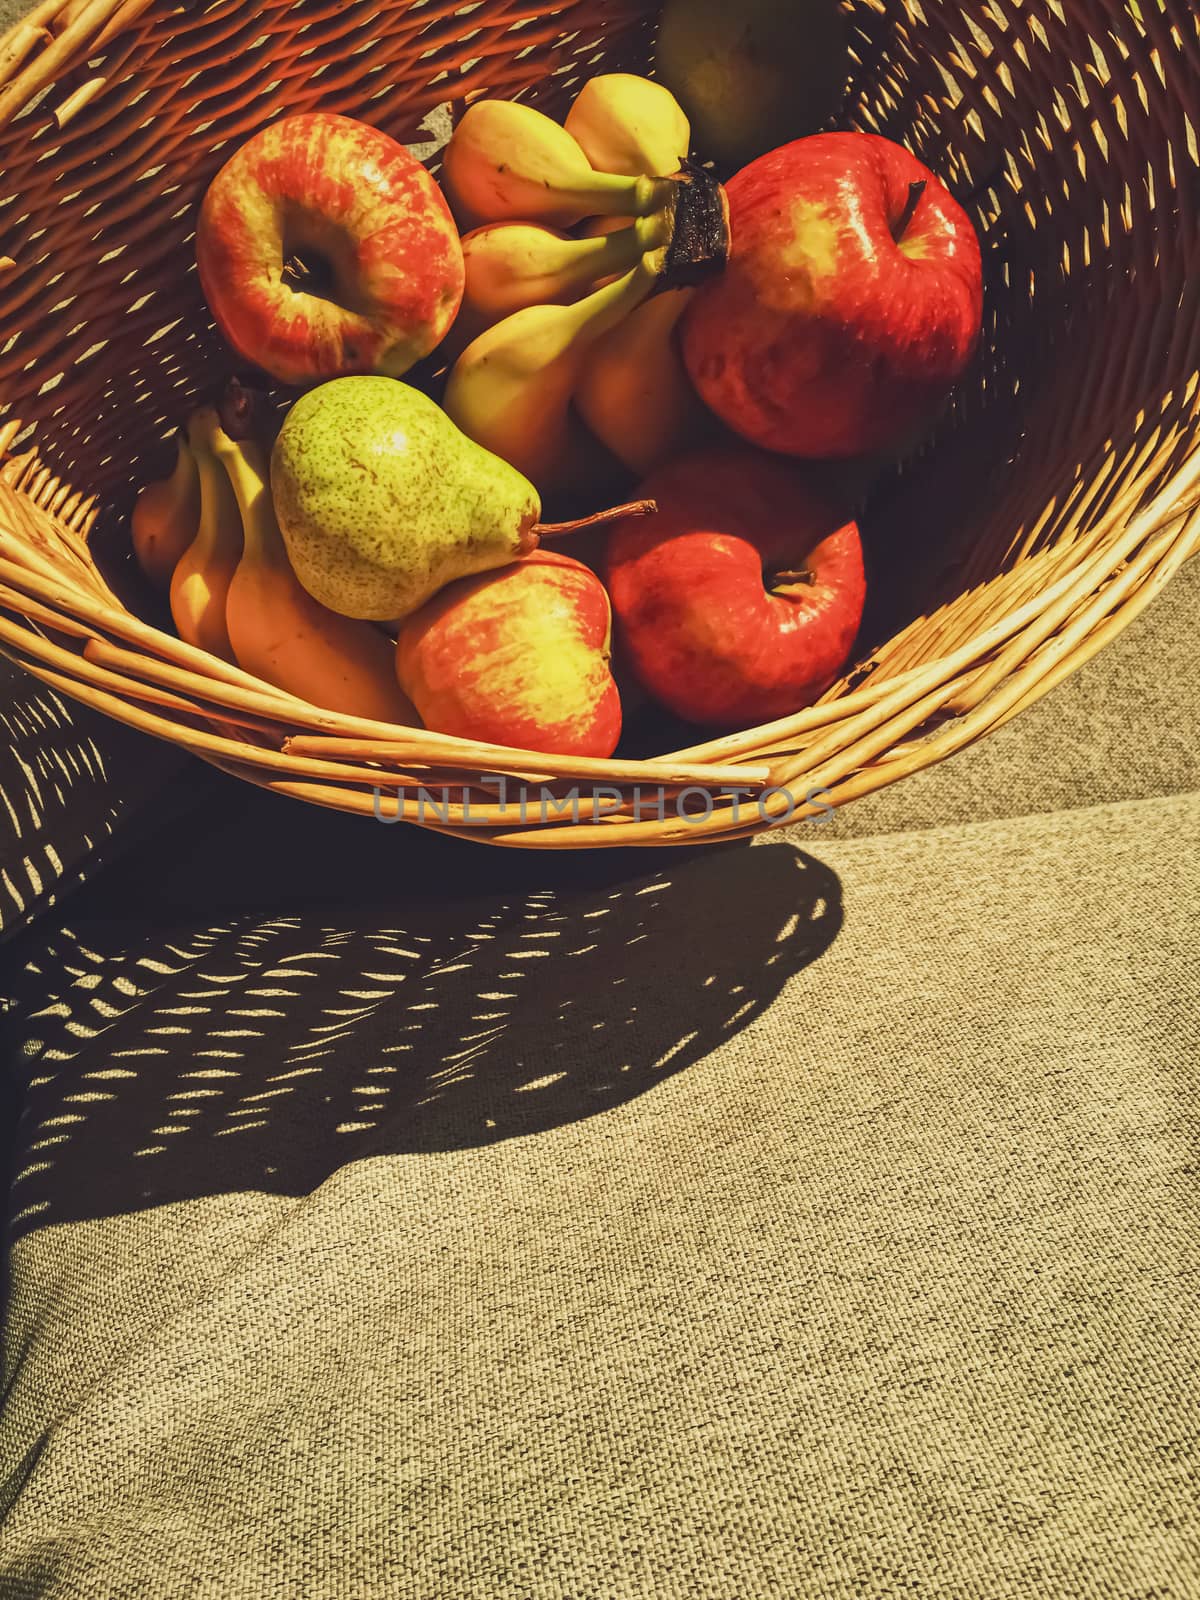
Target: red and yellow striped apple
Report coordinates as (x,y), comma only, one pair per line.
(516,657)
(850,304)
(325,248)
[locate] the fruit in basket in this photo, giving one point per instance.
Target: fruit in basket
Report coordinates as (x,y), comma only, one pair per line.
(597,227)
(511,388)
(513,265)
(624,123)
(203,573)
(278,631)
(382,501)
(850,305)
(324,247)
(507,161)
(519,657)
(166,515)
(634,392)
(754,74)
(737,601)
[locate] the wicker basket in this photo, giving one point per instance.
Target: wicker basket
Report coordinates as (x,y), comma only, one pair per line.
(1058,496)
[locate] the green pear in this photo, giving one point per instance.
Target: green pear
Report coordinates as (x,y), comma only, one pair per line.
(382,501)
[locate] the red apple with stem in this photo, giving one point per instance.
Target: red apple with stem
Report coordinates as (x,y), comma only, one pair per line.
(325,248)
(516,657)
(738,600)
(850,305)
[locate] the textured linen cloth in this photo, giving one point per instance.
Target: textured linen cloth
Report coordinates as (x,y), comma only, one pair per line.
(834,1234)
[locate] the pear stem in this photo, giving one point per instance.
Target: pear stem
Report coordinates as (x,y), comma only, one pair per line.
(632,508)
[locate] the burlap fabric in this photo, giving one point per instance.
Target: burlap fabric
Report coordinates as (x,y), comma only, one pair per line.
(834,1234)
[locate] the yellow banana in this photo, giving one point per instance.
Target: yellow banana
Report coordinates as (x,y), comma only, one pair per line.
(598,228)
(511,265)
(506,160)
(279,632)
(511,388)
(595,227)
(630,125)
(634,392)
(165,517)
(202,574)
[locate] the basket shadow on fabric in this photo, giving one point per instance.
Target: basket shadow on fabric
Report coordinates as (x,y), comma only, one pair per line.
(415,994)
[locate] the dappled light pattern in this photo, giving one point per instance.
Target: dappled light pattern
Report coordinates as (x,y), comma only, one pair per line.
(265,1051)
(67,778)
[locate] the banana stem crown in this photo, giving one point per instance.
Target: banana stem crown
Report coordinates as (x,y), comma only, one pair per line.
(699,232)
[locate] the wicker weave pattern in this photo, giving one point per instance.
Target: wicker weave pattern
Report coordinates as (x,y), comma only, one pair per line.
(1055,501)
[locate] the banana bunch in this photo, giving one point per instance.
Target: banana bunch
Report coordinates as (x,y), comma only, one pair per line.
(512,387)
(509,162)
(511,266)
(209,534)
(563,343)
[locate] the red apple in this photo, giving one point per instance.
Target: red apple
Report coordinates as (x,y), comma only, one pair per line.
(325,248)
(850,305)
(516,657)
(739,599)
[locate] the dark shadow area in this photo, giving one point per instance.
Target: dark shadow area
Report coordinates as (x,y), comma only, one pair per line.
(69,778)
(38,1573)
(261,992)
